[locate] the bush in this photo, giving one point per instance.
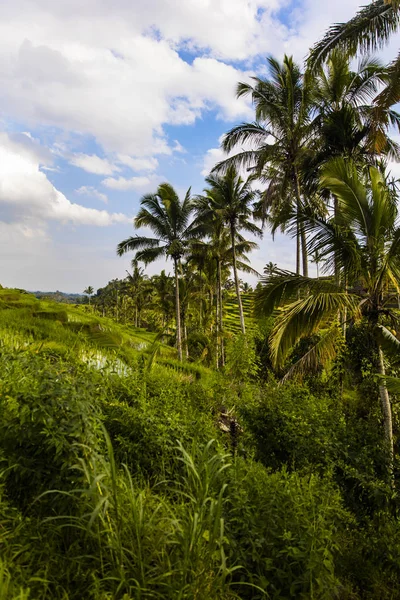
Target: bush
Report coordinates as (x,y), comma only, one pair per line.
(48,421)
(291,427)
(284,531)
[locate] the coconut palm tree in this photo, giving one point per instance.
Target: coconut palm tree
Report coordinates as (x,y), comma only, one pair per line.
(138,284)
(276,144)
(163,287)
(228,202)
(367,31)
(217,254)
(89,291)
(366,242)
(169,219)
(345,114)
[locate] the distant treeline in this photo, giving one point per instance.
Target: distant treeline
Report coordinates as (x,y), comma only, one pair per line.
(61,297)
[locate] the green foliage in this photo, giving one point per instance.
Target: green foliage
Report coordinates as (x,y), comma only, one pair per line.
(292,427)
(46,418)
(99,499)
(241,361)
(284,530)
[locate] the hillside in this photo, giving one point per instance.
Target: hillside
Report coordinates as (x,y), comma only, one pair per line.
(125,474)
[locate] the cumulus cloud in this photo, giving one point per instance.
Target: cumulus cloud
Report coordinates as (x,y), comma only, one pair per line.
(138,164)
(114,71)
(93,164)
(104,77)
(89,190)
(123,184)
(216,155)
(27,194)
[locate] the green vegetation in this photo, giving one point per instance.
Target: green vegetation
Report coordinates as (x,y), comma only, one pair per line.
(188,437)
(112,488)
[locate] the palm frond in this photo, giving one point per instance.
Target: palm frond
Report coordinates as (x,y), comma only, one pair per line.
(305,317)
(389,342)
(368,30)
(149,255)
(255,133)
(135,243)
(242,266)
(322,352)
(392,384)
(283,287)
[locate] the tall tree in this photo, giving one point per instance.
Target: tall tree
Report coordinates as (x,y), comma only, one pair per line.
(215,257)
(366,241)
(169,219)
(231,204)
(276,144)
(343,102)
(367,31)
(89,291)
(138,283)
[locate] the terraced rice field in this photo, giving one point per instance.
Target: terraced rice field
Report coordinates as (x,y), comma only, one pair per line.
(231,313)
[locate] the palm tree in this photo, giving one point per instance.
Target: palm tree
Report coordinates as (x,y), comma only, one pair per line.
(345,112)
(345,115)
(270,268)
(367,31)
(278,140)
(169,219)
(164,296)
(229,202)
(215,257)
(366,242)
(137,282)
(89,291)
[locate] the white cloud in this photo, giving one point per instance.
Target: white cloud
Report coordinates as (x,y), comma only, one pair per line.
(104,78)
(216,155)
(26,194)
(211,158)
(88,190)
(138,164)
(93,164)
(179,148)
(113,70)
(123,184)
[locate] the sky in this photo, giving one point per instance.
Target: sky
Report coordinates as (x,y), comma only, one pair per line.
(101,101)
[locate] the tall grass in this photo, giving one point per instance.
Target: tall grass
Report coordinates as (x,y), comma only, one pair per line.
(149,544)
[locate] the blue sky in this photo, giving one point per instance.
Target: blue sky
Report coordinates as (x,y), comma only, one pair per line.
(99,102)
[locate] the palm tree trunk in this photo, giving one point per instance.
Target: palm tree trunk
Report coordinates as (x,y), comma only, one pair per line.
(304,250)
(217,326)
(235,274)
(185,340)
(178,311)
(386,409)
(298,249)
(301,234)
(221,325)
(201,300)
(336,258)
